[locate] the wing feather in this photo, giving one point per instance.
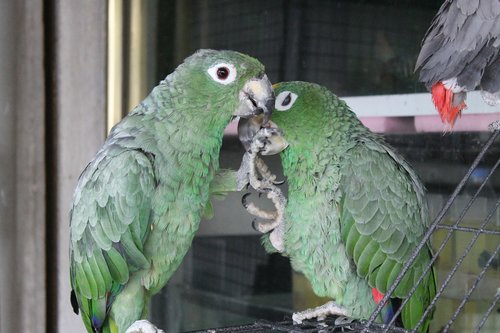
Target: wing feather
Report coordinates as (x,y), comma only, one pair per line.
(109,223)
(389,227)
(380,237)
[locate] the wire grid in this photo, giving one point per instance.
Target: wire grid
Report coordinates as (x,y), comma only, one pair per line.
(331,325)
(226,266)
(437,223)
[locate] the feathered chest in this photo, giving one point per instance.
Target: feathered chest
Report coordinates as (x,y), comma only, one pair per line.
(311,212)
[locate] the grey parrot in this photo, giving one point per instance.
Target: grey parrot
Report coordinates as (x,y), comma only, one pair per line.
(460,52)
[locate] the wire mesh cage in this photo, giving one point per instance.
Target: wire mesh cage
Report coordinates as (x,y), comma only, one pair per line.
(487,261)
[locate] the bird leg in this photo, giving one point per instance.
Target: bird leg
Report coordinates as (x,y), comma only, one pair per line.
(255,172)
(265,172)
(256,211)
(320,312)
(277,236)
(143,326)
(252,165)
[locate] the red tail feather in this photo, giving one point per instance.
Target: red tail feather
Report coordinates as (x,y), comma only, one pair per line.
(377,295)
(443,100)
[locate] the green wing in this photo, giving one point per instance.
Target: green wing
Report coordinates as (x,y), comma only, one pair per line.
(383,218)
(109,223)
(223,183)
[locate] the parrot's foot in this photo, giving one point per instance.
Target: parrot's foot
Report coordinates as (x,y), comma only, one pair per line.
(264,142)
(341,320)
(276,237)
(266,173)
(143,326)
(276,224)
(252,165)
(492,99)
(254,171)
(494,126)
(275,219)
(256,211)
(320,312)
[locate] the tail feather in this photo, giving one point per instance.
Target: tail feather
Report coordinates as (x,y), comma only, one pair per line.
(448,103)
(95,312)
(74,302)
(415,307)
(389,308)
(418,303)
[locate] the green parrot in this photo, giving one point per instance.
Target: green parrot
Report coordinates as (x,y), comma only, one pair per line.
(355,212)
(139,202)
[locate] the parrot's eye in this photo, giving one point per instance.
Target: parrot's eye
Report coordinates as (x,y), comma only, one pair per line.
(223,73)
(285,100)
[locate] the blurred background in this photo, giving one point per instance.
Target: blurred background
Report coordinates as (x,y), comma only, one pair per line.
(71,69)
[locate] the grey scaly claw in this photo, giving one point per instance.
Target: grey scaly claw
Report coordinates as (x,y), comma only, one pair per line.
(342,320)
(253,167)
(320,312)
(143,326)
(256,211)
(265,141)
(494,126)
(243,173)
(264,170)
(277,237)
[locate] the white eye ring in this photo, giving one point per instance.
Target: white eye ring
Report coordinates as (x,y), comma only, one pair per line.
(223,73)
(285,100)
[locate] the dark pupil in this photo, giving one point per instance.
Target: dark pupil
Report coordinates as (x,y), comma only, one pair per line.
(222,73)
(287,100)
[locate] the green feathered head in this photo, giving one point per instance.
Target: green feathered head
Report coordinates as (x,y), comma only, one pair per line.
(305,113)
(225,82)
(300,110)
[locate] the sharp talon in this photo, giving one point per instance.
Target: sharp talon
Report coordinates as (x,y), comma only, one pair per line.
(279,182)
(341,320)
(254,225)
(244,200)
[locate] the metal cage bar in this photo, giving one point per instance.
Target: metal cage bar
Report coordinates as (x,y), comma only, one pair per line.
(488,312)
(469,229)
(430,231)
(471,289)
(459,262)
(440,249)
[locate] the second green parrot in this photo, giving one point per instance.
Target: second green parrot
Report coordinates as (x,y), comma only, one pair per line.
(355,212)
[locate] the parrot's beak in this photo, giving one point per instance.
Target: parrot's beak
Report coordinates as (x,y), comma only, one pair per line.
(247,128)
(256,97)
